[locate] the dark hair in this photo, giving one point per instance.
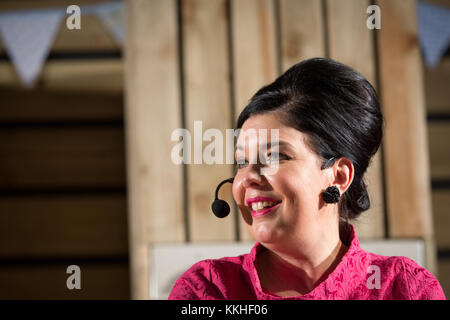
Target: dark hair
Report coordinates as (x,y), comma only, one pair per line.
(337,109)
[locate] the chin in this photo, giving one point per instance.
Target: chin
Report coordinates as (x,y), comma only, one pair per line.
(264,232)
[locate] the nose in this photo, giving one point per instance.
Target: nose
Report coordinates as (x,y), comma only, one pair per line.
(252,176)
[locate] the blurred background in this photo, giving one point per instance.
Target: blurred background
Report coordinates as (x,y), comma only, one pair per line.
(86,117)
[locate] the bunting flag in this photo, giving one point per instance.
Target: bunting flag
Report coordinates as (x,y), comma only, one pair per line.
(28,37)
(434,31)
(112,16)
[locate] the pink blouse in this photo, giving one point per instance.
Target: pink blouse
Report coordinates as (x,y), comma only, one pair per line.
(359,275)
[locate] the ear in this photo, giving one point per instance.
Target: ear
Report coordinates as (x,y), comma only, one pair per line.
(344,173)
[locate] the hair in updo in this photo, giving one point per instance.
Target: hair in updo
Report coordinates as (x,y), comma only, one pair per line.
(337,109)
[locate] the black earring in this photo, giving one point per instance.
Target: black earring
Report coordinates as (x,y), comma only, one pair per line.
(331,195)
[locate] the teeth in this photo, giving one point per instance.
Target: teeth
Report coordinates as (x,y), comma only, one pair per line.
(256,206)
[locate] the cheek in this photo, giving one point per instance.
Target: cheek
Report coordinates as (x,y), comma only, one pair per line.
(239,197)
(238,190)
(287,180)
(298,185)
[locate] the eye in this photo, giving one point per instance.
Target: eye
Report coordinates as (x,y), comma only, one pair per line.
(241,163)
(276,157)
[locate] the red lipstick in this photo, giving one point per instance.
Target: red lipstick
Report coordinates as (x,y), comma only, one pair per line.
(257,199)
(264,212)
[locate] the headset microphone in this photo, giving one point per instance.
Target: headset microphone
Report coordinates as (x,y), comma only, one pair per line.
(220,207)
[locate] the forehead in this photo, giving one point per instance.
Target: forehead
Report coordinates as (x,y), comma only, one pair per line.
(260,128)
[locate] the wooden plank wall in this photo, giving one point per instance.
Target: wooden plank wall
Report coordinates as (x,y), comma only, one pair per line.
(255,41)
(153,111)
(353,44)
(406,160)
(62,169)
(437,100)
(207,92)
(404,110)
(221,65)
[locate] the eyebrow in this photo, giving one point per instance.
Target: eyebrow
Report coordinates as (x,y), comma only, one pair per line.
(269,145)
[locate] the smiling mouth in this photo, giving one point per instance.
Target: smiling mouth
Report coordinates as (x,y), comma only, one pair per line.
(261,206)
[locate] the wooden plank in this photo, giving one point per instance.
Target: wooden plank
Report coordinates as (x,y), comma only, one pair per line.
(43,106)
(441,218)
(99,280)
(438,139)
(302,34)
(405,145)
(350,42)
(437,82)
(87,225)
(254,55)
(98,75)
(88,75)
(207,90)
(152,113)
(62,157)
(405,141)
(254,47)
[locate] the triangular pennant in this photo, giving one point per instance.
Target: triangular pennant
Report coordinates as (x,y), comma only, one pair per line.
(111,14)
(28,37)
(434,31)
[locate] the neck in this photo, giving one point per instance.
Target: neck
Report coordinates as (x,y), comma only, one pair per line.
(298,271)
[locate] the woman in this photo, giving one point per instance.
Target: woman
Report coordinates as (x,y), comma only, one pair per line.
(329,126)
